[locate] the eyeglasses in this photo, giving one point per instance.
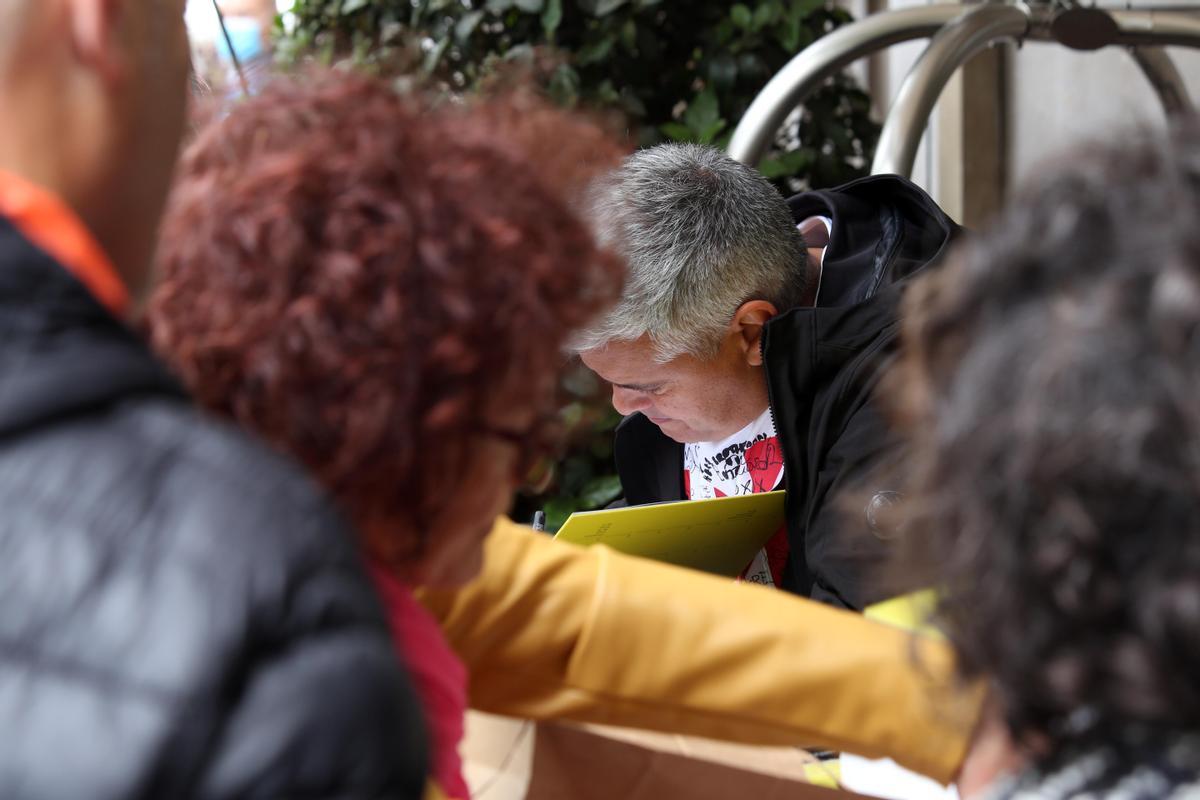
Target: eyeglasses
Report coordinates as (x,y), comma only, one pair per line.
(537,452)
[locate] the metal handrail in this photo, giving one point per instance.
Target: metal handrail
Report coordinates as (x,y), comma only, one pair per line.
(949,49)
(1156,28)
(805,73)
(957,32)
(1164,77)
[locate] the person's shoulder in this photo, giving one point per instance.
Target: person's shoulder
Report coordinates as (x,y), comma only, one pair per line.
(253,494)
(215,492)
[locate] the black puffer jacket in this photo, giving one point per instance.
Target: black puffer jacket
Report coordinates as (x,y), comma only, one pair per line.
(822,367)
(181,614)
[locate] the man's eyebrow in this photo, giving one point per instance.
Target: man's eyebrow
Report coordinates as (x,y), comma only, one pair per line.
(638,387)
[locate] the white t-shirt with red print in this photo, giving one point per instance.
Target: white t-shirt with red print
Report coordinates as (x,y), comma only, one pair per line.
(751,460)
(748,462)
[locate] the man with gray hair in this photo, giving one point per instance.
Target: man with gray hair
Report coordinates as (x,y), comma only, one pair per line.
(748,344)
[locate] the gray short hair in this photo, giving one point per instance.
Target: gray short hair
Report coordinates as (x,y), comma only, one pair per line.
(701,234)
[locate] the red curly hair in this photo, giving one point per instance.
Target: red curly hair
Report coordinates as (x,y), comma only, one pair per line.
(354,278)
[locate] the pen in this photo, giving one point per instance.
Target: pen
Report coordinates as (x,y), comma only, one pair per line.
(539,520)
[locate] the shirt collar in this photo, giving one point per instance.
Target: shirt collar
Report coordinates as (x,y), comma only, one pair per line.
(46,221)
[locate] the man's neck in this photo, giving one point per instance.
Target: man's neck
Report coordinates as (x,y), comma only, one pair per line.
(747,421)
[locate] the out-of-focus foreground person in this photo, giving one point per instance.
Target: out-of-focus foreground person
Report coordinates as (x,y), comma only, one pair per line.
(384,297)
(383,291)
(181,614)
(1049,383)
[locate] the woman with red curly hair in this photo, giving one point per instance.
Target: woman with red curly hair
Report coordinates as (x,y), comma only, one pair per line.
(383,294)
(387,302)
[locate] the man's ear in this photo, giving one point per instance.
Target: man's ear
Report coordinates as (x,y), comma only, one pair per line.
(747,327)
(98,37)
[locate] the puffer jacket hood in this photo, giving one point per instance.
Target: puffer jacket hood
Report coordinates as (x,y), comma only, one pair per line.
(61,353)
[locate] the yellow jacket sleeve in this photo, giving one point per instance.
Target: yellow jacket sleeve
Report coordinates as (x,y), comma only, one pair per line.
(553,631)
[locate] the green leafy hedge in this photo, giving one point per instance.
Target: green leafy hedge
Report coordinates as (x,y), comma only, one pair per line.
(676,69)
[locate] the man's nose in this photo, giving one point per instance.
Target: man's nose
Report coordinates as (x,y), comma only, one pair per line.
(627,401)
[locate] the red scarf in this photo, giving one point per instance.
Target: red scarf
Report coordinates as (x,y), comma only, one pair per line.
(438,674)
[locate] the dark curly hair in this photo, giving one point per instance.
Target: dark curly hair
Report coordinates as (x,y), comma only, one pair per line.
(1050,388)
(352,277)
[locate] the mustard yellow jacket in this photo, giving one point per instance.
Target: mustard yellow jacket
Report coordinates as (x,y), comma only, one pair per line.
(553,631)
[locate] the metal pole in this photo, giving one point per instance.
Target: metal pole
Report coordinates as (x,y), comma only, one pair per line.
(823,58)
(1163,75)
(949,49)
(1157,28)
(233,56)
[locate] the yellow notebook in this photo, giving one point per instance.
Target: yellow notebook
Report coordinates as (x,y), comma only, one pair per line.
(719,536)
(909,612)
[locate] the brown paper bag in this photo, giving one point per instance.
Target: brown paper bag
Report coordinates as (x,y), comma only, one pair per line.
(513,760)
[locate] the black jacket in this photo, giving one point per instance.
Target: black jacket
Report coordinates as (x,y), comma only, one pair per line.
(822,366)
(181,614)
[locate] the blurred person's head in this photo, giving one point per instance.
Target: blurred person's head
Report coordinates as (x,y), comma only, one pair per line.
(248,24)
(1049,385)
(382,298)
(94,96)
(515,118)
(712,255)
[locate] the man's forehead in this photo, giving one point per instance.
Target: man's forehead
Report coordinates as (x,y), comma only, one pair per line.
(631,365)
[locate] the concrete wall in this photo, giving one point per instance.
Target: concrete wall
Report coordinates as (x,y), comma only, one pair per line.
(1059,97)
(1018,108)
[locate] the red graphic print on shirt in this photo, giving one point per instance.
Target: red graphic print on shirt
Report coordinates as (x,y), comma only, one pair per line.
(764,460)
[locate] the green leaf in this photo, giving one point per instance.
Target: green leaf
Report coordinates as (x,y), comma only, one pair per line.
(552,17)
(631,104)
(788,34)
(595,51)
(434,56)
(564,86)
(702,112)
(677,131)
(350,6)
(707,134)
(786,164)
(467,25)
(607,93)
(629,35)
(724,32)
(499,6)
(520,54)
(571,414)
(574,472)
(741,16)
(531,6)
(557,510)
(764,15)
(582,382)
(601,8)
(750,65)
(599,492)
(723,71)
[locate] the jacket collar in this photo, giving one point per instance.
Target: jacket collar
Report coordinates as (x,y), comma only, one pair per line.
(885,231)
(61,351)
(47,222)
